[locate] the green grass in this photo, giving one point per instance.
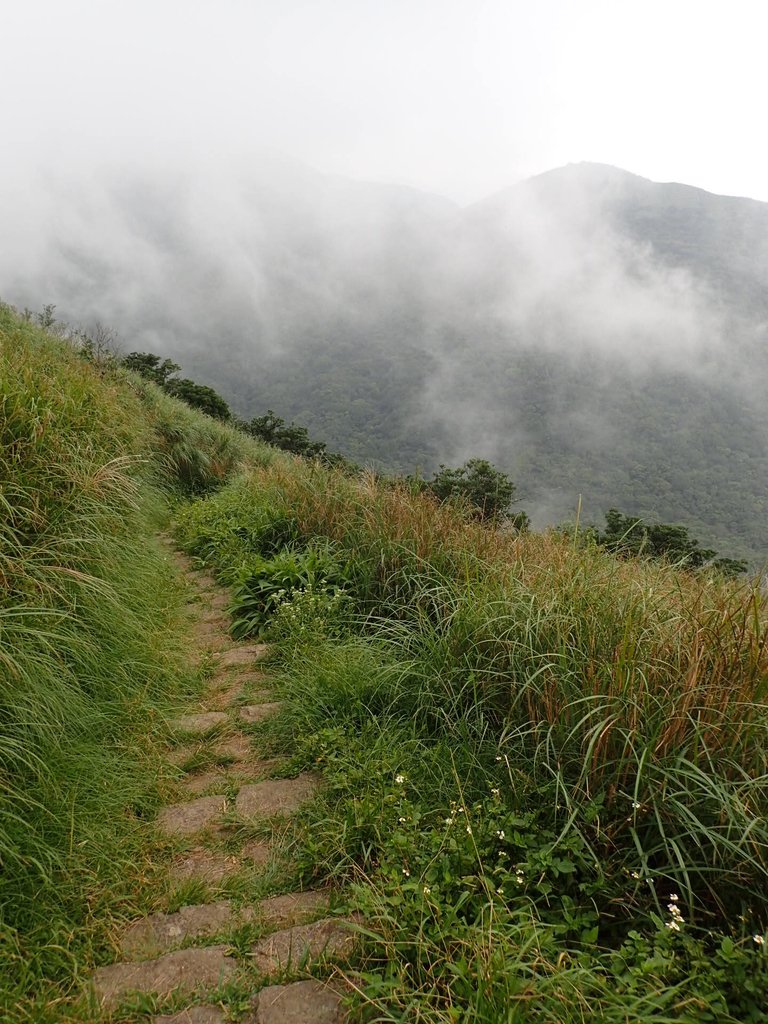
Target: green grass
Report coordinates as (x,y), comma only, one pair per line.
(532,751)
(92,647)
(600,724)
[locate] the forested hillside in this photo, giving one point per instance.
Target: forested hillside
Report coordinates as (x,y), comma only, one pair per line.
(589,331)
(360,739)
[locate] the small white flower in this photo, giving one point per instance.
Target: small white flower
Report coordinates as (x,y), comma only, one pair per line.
(449,821)
(673,925)
(500,891)
(500,834)
(469,830)
(427,890)
(759,940)
(673,896)
(519,876)
(494,792)
(403,820)
(399,779)
(635,874)
(498,758)
(406,872)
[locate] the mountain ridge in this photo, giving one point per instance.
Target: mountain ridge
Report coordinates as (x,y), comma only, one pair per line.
(603,342)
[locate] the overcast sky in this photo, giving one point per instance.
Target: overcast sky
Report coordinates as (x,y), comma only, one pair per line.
(461,97)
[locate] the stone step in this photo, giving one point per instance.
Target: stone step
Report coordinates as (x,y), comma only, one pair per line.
(186,970)
(245,655)
(303,1002)
(222,693)
(238,747)
(275,796)
(160,933)
(195,815)
(247,678)
(215,600)
(296,947)
(219,778)
(212,629)
(204,722)
(293,908)
(251,713)
(213,866)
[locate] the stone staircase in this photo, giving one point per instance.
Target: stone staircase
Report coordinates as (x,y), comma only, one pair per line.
(183,955)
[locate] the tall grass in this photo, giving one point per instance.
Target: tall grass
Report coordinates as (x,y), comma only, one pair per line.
(617,708)
(90,644)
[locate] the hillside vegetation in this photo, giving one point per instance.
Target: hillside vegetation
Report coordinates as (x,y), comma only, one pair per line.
(545,767)
(91,643)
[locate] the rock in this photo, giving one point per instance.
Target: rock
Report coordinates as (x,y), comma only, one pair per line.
(241,655)
(258,712)
(248,678)
(275,796)
(188,818)
(222,693)
(212,629)
(294,947)
(159,933)
(303,1002)
(293,908)
(186,970)
(193,1015)
(204,866)
(201,723)
(256,853)
(237,747)
(197,784)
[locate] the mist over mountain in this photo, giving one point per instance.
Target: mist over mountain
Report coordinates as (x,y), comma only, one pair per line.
(590,331)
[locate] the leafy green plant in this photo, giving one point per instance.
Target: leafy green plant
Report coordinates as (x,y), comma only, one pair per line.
(261,585)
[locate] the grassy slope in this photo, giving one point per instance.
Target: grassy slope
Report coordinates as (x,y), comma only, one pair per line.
(91,645)
(533,751)
(529,746)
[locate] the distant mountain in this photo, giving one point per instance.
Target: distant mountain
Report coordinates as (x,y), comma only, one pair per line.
(590,331)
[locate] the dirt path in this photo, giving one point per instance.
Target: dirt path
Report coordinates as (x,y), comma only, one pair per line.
(215,951)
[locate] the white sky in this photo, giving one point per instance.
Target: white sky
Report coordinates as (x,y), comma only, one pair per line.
(461,97)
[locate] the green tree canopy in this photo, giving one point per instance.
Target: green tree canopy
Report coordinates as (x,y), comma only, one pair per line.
(633,535)
(151,367)
(486,490)
(290,437)
(200,396)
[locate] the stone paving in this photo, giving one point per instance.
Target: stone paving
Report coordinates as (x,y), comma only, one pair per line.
(292,931)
